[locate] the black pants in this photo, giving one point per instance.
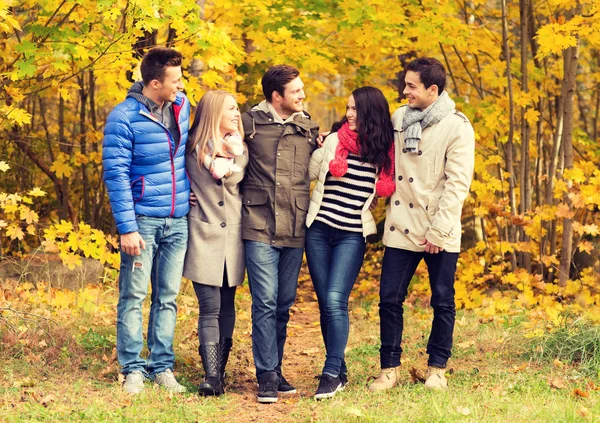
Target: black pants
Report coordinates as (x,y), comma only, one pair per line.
(398,269)
(217,311)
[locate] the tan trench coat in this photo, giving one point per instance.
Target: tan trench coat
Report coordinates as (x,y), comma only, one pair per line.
(431,186)
(215,226)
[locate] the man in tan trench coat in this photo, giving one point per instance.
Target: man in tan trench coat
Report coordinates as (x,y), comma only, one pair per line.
(435,147)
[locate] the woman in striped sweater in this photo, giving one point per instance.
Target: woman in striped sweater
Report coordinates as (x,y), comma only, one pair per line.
(354,167)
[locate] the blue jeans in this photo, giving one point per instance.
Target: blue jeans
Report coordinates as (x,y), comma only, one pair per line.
(398,269)
(334,259)
(273,279)
(161,263)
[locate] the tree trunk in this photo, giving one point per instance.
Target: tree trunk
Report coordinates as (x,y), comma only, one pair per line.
(571,56)
(511,130)
(525,204)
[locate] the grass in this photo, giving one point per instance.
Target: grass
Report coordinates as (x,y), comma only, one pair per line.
(68,372)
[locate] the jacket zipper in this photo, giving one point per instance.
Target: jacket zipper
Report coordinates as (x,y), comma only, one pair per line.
(176,111)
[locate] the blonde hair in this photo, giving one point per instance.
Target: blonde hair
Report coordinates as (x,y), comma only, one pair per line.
(207,121)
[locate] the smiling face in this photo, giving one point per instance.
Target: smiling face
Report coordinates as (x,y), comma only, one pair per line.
(418,96)
(171,84)
(351,114)
(230,116)
(291,102)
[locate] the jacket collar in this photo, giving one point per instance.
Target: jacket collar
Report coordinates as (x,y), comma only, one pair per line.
(264,113)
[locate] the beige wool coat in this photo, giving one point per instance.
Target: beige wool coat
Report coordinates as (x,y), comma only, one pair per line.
(317,169)
(431,186)
(215,226)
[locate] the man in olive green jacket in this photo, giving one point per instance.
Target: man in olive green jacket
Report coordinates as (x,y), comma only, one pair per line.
(280,138)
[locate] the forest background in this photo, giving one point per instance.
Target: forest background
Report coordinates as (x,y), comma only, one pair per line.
(526,74)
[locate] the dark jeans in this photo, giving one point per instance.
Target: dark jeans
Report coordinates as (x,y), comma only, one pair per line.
(273,279)
(334,259)
(398,269)
(217,311)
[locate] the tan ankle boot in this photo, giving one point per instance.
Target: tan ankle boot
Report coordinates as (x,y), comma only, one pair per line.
(436,378)
(388,378)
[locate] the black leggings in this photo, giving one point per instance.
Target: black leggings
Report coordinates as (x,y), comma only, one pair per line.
(217,311)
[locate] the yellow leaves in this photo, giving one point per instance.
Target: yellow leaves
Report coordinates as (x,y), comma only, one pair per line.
(585,246)
(15,232)
(15,115)
(576,174)
(61,167)
(8,23)
(28,215)
(4,166)
(36,192)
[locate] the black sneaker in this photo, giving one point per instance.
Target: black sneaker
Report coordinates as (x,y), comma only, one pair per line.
(267,387)
(343,380)
(284,386)
(328,386)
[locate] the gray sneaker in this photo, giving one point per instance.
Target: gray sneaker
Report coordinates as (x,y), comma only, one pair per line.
(167,380)
(134,382)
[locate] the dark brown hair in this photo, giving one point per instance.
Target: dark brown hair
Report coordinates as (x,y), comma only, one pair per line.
(431,72)
(276,78)
(156,60)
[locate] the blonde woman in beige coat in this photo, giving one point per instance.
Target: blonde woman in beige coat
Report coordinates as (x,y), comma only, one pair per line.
(215,161)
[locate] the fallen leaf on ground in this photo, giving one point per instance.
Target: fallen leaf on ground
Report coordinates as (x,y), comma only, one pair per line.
(558,383)
(417,375)
(47,400)
(558,363)
(579,393)
(519,368)
(498,390)
(583,412)
(353,411)
(465,344)
(311,351)
(463,410)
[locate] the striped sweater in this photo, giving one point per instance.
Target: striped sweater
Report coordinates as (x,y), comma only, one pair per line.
(344,197)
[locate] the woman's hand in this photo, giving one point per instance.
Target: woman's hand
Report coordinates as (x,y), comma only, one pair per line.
(193,199)
(374,203)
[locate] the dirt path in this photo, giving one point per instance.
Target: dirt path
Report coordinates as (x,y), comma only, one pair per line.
(303,358)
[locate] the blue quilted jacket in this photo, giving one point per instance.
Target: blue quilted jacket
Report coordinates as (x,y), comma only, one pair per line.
(143,172)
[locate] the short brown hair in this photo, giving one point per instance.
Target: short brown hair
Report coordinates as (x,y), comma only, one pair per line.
(276,78)
(431,72)
(156,60)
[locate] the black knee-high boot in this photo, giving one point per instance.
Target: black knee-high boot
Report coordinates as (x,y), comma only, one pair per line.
(210,353)
(225,349)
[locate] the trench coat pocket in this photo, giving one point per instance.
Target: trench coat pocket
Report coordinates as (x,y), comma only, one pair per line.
(254,210)
(302,203)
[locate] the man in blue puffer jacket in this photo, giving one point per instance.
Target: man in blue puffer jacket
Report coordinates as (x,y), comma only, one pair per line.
(144,171)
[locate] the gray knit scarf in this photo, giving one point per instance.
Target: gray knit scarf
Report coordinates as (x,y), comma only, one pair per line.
(416,120)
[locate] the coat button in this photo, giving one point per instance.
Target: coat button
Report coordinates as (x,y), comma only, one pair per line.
(426,207)
(276,213)
(411,205)
(406,231)
(410,179)
(404,150)
(278,154)
(420,153)
(219,182)
(221,203)
(278,184)
(392,228)
(223,224)
(400,177)
(397,202)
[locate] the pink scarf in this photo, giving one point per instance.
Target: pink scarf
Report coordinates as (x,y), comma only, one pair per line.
(348,143)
